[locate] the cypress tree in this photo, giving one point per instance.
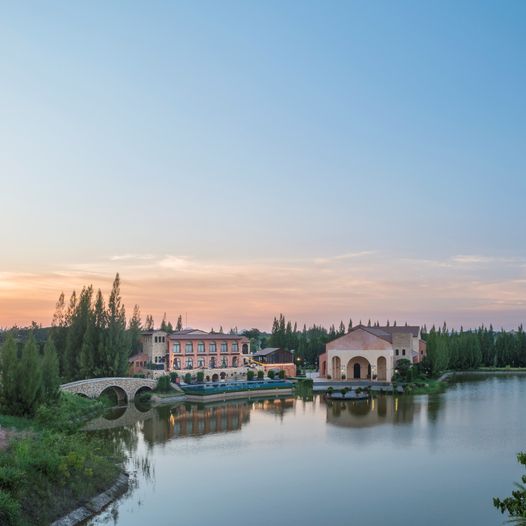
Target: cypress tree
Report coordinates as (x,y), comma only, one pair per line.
(116,346)
(50,372)
(29,377)
(9,375)
(134,331)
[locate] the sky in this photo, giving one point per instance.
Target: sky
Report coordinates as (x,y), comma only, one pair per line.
(235,160)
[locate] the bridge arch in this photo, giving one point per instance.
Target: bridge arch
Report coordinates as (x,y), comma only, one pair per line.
(115,392)
(124,389)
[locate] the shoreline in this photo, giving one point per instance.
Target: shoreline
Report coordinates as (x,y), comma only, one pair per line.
(96,504)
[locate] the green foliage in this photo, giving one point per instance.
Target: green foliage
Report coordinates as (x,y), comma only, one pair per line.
(163,384)
(9,375)
(173,377)
(69,413)
(41,475)
(250,375)
(271,374)
(9,509)
(50,372)
(515,506)
(91,339)
(404,369)
(261,375)
(281,374)
(200,377)
(188,378)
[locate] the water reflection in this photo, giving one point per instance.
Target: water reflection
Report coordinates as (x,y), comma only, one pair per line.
(381,410)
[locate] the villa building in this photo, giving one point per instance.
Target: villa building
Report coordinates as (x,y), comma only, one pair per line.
(217,355)
(371,353)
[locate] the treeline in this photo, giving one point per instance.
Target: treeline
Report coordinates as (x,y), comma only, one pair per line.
(93,339)
(460,350)
(28,377)
(308,343)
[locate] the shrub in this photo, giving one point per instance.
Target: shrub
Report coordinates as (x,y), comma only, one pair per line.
(9,510)
(261,375)
(188,378)
(200,377)
(271,374)
(250,375)
(330,390)
(173,377)
(281,374)
(515,505)
(163,384)
(343,377)
(329,377)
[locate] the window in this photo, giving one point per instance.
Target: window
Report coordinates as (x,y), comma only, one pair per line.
(212,362)
(397,352)
(156,339)
(234,361)
(235,348)
(177,347)
(403,352)
(200,362)
(189,363)
(224,347)
(224,362)
(177,363)
(212,347)
(200,347)
(189,348)
(164,339)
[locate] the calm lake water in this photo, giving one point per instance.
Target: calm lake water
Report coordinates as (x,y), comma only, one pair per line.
(434,460)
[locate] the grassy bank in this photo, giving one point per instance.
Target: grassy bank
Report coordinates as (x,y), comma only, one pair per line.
(50,466)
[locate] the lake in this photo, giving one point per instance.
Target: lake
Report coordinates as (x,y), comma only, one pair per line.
(404,460)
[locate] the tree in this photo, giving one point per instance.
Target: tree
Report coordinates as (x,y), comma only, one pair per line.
(29,376)
(9,374)
(79,318)
(149,324)
(134,331)
(50,372)
(515,505)
(116,346)
(179,325)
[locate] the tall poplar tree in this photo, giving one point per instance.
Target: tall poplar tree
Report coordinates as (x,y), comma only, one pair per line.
(50,372)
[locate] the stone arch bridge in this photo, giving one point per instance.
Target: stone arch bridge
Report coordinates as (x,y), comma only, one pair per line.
(124,388)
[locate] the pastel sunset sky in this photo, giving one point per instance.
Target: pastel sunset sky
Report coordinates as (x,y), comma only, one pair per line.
(235,160)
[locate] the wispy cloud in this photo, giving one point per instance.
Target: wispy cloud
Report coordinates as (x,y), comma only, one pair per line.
(358,284)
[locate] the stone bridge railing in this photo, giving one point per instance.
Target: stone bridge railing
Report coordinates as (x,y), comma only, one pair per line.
(125,388)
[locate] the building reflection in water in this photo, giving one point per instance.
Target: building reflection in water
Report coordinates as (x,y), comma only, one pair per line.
(195,420)
(384,409)
(276,406)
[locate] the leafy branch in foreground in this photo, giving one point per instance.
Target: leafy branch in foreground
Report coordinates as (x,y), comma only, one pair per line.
(515,505)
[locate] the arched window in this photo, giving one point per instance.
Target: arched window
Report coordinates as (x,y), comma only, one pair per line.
(177,363)
(224,362)
(189,363)
(245,348)
(212,362)
(234,361)
(200,362)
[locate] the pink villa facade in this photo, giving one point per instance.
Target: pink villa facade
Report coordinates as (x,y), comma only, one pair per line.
(371,353)
(218,355)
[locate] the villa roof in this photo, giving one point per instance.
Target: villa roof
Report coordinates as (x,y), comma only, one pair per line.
(266,351)
(197,334)
(386,332)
